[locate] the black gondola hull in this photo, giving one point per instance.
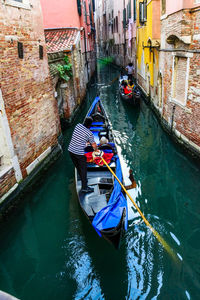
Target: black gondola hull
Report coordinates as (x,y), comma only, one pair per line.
(102,181)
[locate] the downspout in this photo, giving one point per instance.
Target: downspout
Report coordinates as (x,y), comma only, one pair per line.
(86,60)
(172,120)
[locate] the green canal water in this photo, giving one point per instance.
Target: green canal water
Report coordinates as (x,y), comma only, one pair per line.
(48,249)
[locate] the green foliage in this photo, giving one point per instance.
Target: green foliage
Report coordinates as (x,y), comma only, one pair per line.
(65,70)
(106,60)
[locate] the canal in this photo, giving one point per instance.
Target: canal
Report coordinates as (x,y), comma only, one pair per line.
(48,249)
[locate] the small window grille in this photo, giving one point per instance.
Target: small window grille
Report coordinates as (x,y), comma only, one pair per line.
(20,50)
(41,52)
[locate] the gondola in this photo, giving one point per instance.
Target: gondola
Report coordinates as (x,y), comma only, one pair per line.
(132,98)
(106,206)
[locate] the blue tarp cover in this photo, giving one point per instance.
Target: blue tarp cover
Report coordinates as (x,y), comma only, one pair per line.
(93,105)
(110,215)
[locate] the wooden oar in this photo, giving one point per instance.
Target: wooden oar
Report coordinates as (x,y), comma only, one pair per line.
(157,235)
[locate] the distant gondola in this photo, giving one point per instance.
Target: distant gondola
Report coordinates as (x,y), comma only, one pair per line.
(106,207)
(132,98)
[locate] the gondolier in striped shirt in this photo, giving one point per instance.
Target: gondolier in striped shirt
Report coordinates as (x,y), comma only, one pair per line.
(80,137)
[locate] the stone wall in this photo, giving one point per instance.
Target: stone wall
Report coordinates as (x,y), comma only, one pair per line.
(69,94)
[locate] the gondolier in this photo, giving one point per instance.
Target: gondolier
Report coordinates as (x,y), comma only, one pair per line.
(80,137)
(130,70)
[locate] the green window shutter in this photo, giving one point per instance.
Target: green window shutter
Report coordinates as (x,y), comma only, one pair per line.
(93,5)
(79,7)
(134,10)
(90,14)
(129,9)
(141,17)
(124,18)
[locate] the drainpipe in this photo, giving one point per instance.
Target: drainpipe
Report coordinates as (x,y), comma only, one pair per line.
(172,121)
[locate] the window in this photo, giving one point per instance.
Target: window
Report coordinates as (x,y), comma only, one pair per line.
(134,10)
(79,7)
(93,5)
(20,50)
(163,8)
(85,12)
(143,12)
(41,52)
(124,18)
(116,23)
(91,17)
(129,9)
(180,74)
(18,3)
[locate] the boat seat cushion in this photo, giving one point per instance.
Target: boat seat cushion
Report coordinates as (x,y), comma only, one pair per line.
(97,123)
(96,128)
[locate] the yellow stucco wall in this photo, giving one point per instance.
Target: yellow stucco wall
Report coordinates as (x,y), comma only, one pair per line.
(145,56)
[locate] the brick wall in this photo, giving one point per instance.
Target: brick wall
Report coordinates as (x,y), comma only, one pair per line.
(26,87)
(186,117)
(7,182)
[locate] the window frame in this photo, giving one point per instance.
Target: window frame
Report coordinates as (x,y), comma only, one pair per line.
(25,4)
(187,56)
(143,12)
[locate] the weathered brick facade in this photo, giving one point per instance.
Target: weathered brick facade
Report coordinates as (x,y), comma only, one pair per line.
(7,181)
(69,94)
(180,67)
(27,94)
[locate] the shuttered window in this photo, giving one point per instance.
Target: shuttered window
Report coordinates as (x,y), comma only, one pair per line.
(90,9)
(134,10)
(20,50)
(41,52)
(124,18)
(85,12)
(143,12)
(129,9)
(93,5)
(79,7)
